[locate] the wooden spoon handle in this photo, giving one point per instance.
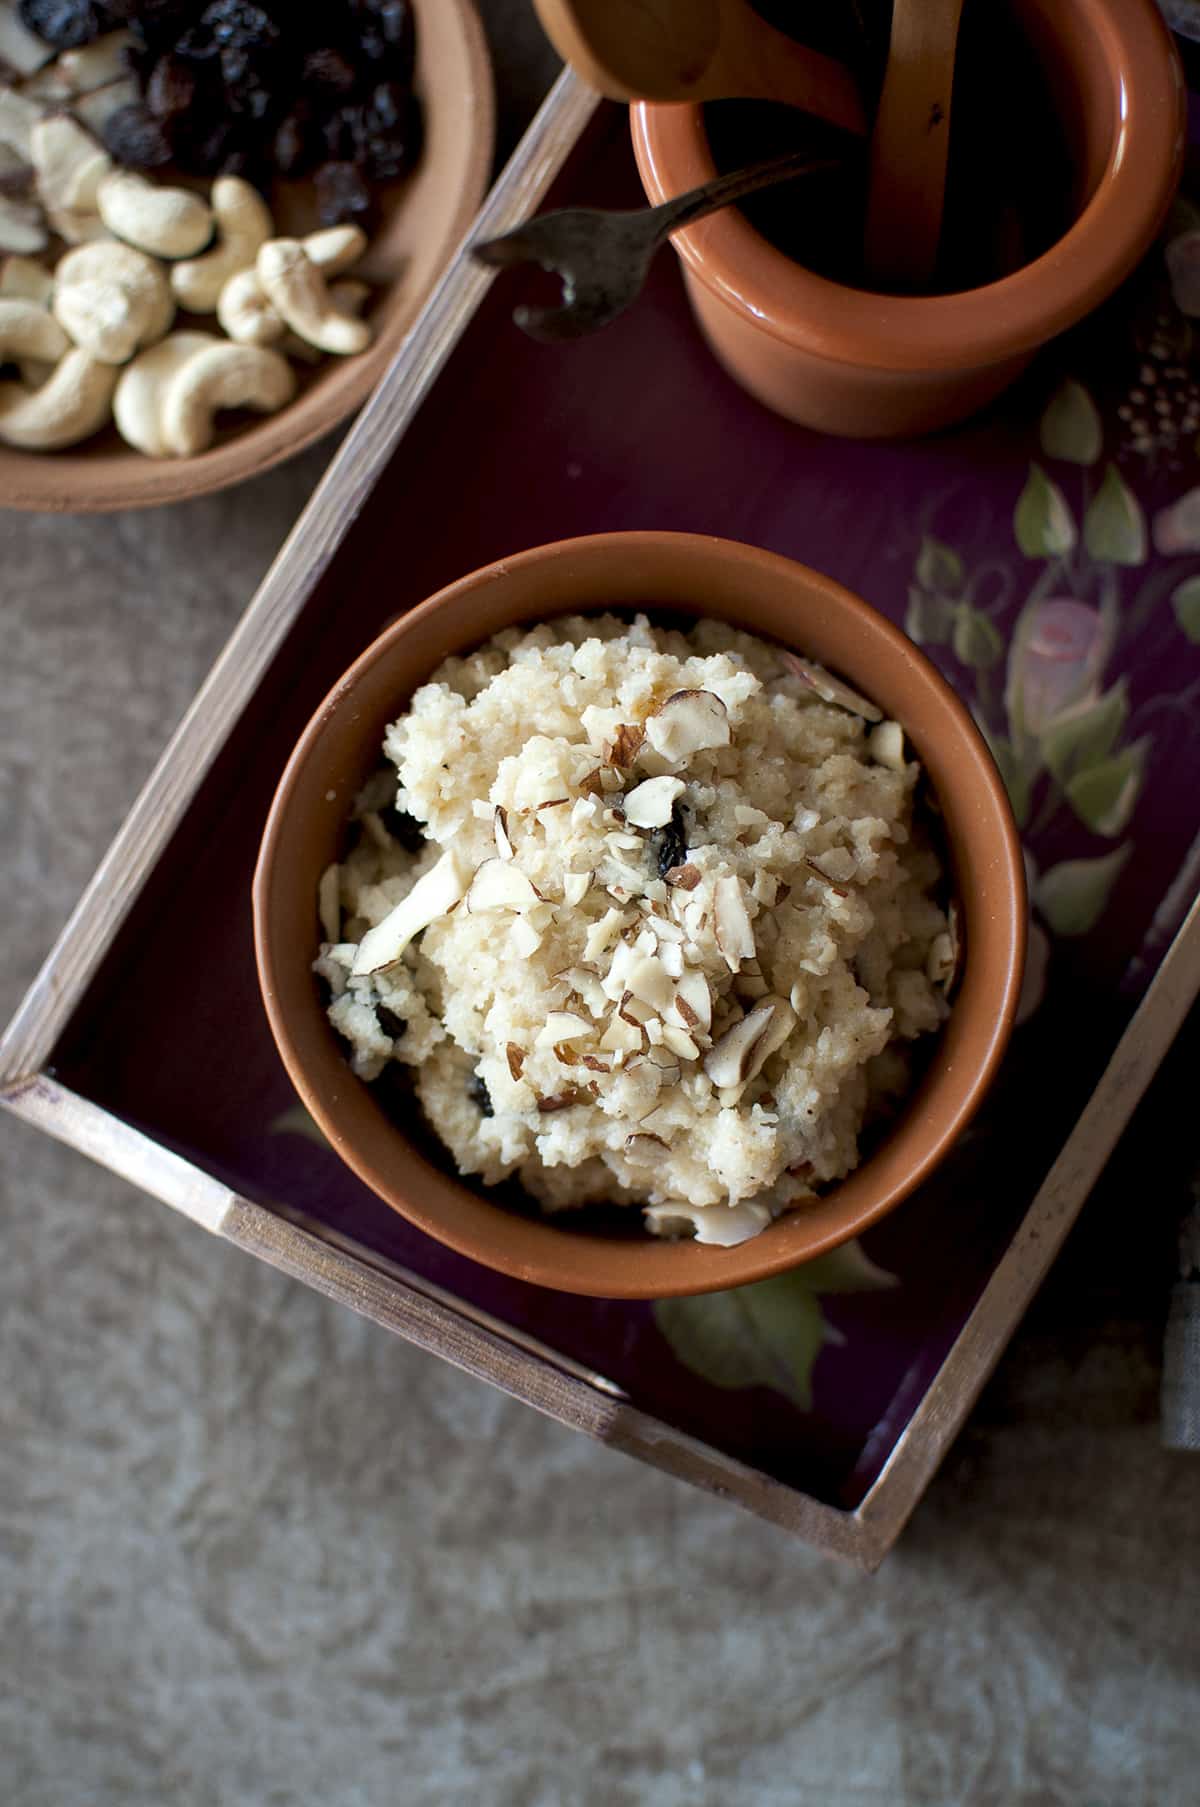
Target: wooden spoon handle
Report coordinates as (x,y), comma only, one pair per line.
(753,61)
(910,144)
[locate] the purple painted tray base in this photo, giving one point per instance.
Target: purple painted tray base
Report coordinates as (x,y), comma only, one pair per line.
(635,428)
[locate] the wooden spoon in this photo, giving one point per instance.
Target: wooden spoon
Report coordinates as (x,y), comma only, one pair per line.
(910,143)
(673,50)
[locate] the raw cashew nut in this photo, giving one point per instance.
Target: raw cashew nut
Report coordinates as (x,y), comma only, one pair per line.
(112,299)
(72,405)
(28,330)
(296,289)
(138,401)
(245,313)
(334,248)
(243,224)
(70,165)
(221,376)
(170,222)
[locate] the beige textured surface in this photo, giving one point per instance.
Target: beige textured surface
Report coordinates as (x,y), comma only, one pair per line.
(255,1553)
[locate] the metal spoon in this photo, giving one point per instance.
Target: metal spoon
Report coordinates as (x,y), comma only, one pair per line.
(696,50)
(604,257)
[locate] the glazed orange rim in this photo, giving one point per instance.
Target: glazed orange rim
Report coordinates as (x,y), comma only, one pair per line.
(984,325)
(540,1251)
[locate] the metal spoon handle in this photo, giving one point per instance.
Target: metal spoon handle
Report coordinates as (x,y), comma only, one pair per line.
(686,209)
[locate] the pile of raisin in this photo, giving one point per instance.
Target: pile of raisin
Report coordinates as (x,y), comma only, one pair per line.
(260,89)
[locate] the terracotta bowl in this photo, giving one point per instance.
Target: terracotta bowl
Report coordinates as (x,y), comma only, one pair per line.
(766,595)
(866,365)
(423,220)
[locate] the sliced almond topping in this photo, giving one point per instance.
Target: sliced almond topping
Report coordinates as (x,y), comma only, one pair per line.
(686,1012)
(829,688)
(576,886)
(649,804)
(525,939)
(692,990)
(621,1037)
(838,890)
(655,1033)
(886,745)
(783,893)
(680,1042)
(625,744)
(431,897)
(504,846)
(669,1070)
(562,1026)
(731,921)
(500,886)
(591,785)
(560,1101)
(633,1010)
(671,955)
(596,1066)
(566,1056)
(687,723)
(516,1058)
(642,1149)
(798,996)
(602,934)
(658,1119)
(686,878)
(647,978)
(741,1051)
(551,803)
(329,908)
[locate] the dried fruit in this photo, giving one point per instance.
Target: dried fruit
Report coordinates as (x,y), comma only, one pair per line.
(515,1056)
(133,136)
(342,194)
(63,23)
(478,1093)
(390,1023)
(671,849)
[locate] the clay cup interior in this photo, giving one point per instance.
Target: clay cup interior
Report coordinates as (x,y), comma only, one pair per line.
(766,595)
(847,361)
(422,220)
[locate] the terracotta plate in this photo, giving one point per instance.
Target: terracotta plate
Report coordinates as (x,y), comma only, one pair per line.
(423,221)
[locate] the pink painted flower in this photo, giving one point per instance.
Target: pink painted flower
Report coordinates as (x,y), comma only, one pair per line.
(1055,662)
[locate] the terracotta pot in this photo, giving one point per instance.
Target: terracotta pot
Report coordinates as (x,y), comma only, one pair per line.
(866,365)
(757,591)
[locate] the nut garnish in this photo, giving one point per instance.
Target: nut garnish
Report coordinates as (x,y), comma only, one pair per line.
(621,1037)
(642,1147)
(500,886)
(596,1065)
(680,1042)
(886,745)
(561,1026)
(649,804)
(741,1051)
(560,1101)
(838,890)
(516,1058)
(432,895)
(731,921)
(504,846)
(647,978)
(625,744)
(688,722)
(829,688)
(686,877)
(576,886)
(525,938)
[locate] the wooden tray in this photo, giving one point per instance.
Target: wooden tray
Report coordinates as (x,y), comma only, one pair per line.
(478,443)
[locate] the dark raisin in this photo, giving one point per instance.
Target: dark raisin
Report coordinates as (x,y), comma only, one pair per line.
(133,136)
(16,182)
(393,148)
(64,23)
(295,148)
(205,151)
(329,71)
(342,194)
(344,133)
(389,1022)
(403,828)
(478,1093)
(171,88)
(391,24)
(670,843)
(236,23)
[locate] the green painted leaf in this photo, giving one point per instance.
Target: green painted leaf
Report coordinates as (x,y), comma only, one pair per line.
(1074,895)
(769,1334)
(1018,780)
(930,619)
(1071,427)
(939,568)
(1042,522)
(977,640)
(1103,797)
(1114,528)
(1186,603)
(297,1122)
(1083,738)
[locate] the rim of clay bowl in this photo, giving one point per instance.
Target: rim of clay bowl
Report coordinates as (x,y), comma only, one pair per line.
(422,223)
(694,574)
(1130,198)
